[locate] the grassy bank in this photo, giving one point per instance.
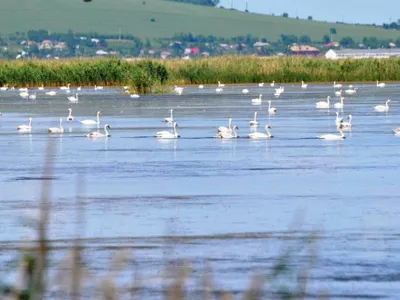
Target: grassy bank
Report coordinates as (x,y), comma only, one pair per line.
(144,75)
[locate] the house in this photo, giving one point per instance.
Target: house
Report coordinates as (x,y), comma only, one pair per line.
(95,41)
(304,50)
(362,53)
(46,44)
(260,44)
(60,46)
(165,54)
(101,52)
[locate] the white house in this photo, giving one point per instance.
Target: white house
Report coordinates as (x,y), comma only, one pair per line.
(362,53)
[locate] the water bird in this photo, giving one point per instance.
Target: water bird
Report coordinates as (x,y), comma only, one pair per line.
(348,124)
(383,108)
(24,94)
(70,117)
(23,89)
(25,128)
(396,131)
(41,88)
(96,134)
(220,84)
(339,92)
(92,122)
(339,104)
(65,88)
(254,121)
(171,118)
(261,84)
(32,96)
(272,84)
(351,90)
(303,85)
(218,90)
(333,137)
(337,85)
(245,91)
(323,104)
(229,128)
(271,110)
(73,99)
(338,121)
(97,87)
(380,85)
(260,135)
(57,129)
(78,88)
(134,96)
(51,93)
(201,86)
(4,88)
(257,100)
(167,134)
(229,135)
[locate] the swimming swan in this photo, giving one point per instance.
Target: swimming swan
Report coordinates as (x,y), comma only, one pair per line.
(323,104)
(25,128)
(65,87)
(260,135)
(167,134)
(220,84)
(70,116)
(51,93)
(271,110)
(348,124)
(57,129)
(383,108)
(380,85)
(257,100)
(73,99)
(254,121)
(339,104)
(92,122)
(229,135)
(96,134)
(226,129)
(333,137)
(303,85)
(338,86)
(338,121)
(171,118)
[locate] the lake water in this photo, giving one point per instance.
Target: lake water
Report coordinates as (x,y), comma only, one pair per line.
(238,203)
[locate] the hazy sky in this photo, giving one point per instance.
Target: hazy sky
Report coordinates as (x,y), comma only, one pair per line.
(359,11)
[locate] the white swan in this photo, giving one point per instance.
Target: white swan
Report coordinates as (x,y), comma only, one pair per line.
(171,118)
(254,121)
(92,122)
(23,89)
(201,86)
(271,110)
(245,91)
(396,131)
(339,92)
(135,96)
(261,84)
(303,85)
(78,88)
(383,108)
(57,129)
(348,124)
(73,99)
(167,134)
(70,117)
(338,121)
(25,128)
(98,87)
(272,84)
(220,84)
(351,91)
(32,96)
(24,94)
(65,87)
(323,104)
(333,137)
(339,104)
(229,135)
(229,128)
(337,85)
(257,100)
(96,134)
(260,135)
(218,90)
(280,90)
(51,93)
(41,88)
(380,85)
(178,90)
(4,88)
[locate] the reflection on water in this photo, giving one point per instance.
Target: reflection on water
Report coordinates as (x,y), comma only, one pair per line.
(231,200)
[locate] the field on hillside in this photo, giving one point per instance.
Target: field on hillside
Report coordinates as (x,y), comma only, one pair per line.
(134,17)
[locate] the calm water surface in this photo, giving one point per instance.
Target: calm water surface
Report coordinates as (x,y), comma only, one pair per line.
(238,203)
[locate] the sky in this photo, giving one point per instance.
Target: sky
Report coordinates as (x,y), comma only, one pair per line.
(359,11)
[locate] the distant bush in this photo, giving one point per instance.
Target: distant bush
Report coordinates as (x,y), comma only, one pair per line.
(285,15)
(152,20)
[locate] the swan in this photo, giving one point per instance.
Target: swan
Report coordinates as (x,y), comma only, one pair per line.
(23,89)
(218,90)
(303,85)
(73,99)
(25,128)
(167,134)
(12,88)
(380,85)
(78,88)
(272,84)
(348,124)
(257,100)
(396,131)
(24,94)
(96,134)
(201,86)
(57,129)
(383,108)
(280,90)
(351,91)
(339,104)
(254,121)
(333,137)
(171,118)
(97,87)
(339,92)
(92,122)
(271,110)
(337,85)
(134,96)
(245,91)
(65,87)
(70,116)
(261,84)
(126,87)
(260,135)
(4,88)
(51,93)
(32,96)
(41,88)
(323,104)
(177,88)
(229,135)
(338,121)
(220,84)
(229,128)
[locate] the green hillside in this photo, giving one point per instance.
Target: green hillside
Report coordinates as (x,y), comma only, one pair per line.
(133,16)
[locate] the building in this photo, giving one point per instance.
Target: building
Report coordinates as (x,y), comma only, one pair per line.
(362,53)
(304,50)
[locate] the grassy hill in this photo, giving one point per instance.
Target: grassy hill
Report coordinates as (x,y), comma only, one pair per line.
(132,16)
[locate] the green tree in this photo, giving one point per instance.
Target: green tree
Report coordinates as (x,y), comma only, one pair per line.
(285,15)
(309,18)
(305,39)
(326,39)
(347,42)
